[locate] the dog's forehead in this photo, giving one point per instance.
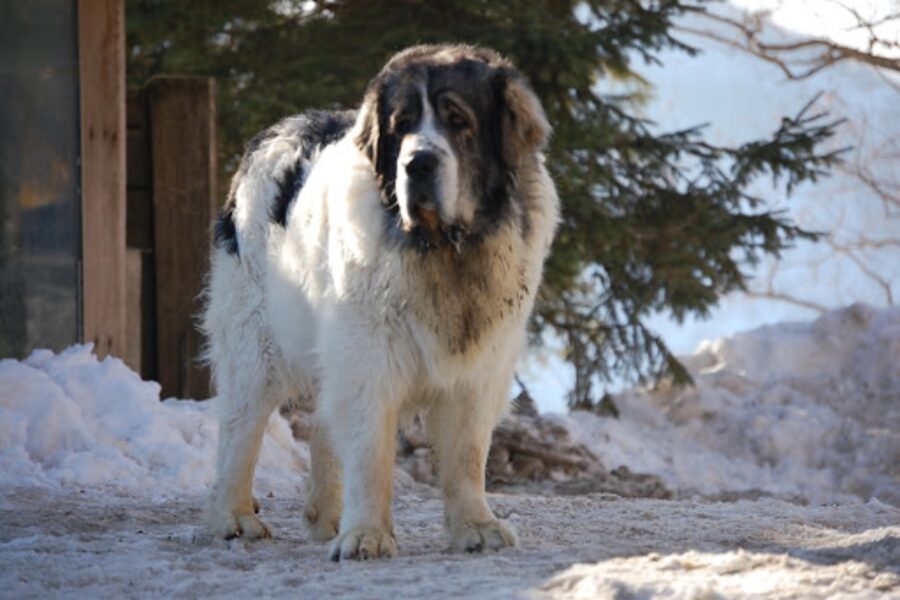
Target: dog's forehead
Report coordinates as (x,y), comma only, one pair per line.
(470,79)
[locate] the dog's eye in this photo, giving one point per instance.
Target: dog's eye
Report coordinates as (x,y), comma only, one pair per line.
(457,122)
(402,124)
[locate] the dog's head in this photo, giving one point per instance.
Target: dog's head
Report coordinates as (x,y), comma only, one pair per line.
(446,128)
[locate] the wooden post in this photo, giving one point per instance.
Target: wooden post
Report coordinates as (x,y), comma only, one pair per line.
(101,53)
(182,121)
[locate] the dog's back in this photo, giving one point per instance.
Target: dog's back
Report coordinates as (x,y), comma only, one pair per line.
(275,165)
(272,172)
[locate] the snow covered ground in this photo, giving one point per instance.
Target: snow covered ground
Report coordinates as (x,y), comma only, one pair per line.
(76,545)
(785,459)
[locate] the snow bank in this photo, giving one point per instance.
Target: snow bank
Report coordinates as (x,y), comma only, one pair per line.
(799,410)
(69,420)
(807,411)
(734,574)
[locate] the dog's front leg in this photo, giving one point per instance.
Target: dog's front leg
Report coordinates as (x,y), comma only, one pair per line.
(363,425)
(460,428)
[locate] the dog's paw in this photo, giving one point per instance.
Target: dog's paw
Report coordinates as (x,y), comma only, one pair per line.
(477,537)
(228,526)
(322,526)
(363,543)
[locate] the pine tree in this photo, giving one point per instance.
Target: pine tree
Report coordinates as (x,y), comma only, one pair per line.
(652,222)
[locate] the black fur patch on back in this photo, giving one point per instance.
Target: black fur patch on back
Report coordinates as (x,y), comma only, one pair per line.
(224,232)
(312,130)
(290,184)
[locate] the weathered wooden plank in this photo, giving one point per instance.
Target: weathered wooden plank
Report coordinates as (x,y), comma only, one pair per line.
(139,179)
(133,301)
(140,323)
(101,50)
(140,311)
(149,358)
(139,219)
(136,114)
(140,173)
(182,123)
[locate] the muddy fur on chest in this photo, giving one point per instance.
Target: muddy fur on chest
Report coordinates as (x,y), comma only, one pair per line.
(463,298)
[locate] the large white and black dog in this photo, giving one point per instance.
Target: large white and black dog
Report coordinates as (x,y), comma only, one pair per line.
(383,264)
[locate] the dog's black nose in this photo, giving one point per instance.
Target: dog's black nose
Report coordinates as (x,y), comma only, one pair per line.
(422,166)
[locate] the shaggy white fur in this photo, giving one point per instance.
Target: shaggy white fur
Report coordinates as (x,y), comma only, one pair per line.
(327,308)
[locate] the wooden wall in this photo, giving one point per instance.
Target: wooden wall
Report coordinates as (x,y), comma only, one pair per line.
(183,129)
(141,351)
(146,212)
(101,53)
(172,200)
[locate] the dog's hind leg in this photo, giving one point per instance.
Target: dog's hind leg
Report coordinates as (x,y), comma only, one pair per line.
(323,507)
(245,407)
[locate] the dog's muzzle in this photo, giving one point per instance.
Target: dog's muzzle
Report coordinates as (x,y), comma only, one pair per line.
(422,166)
(422,184)
(423,203)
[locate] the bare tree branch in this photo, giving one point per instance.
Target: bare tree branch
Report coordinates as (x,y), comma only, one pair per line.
(863,266)
(799,58)
(804,58)
(770,293)
(888,193)
(782,297)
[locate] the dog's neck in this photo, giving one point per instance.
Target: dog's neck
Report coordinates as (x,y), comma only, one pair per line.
(464,296)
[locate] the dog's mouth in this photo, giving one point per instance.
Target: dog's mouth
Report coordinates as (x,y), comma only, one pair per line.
(428,227)
(428,217)
(455,234)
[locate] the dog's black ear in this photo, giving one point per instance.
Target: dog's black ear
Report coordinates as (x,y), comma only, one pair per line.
(367,137)
(524,125)
(376,141)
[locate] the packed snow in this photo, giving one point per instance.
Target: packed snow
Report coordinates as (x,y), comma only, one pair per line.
(69,421)
(809,411)
(594,546)
(785,460)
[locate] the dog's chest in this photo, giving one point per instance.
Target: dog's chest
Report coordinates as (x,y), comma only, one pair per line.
(463,299)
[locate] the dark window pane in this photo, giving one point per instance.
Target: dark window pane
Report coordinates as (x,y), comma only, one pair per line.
(40,208)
